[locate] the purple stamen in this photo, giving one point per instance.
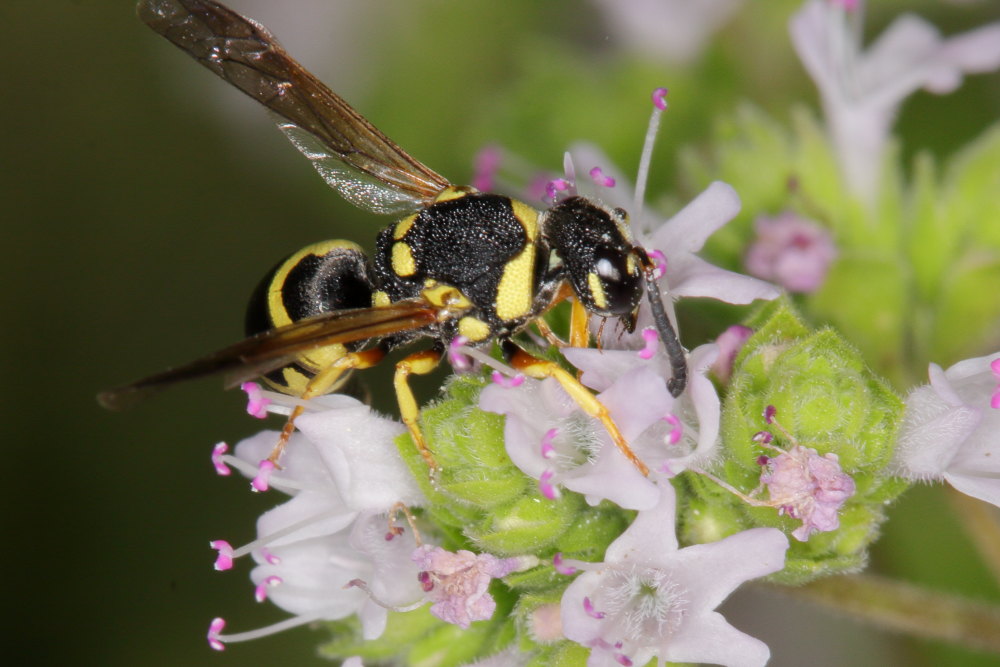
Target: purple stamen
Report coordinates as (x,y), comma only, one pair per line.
(623,659)
(214,630)
(426,583)
(507,382)
(555,186)
(651,339)
(262,480)
(460,362)
(487,163)
(769,413)
(597,175)
(269,557)
(260,592)
(546,487)
(218,452)
(256,401)
(763,460)
(763,436)
(394,532)
(588,607)
(677,431)
(660,98)
(660,262)
(557,563)
(224,561)
(548,450)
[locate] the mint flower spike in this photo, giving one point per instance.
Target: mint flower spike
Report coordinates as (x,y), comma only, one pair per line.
(343,472)
(862,90)
(650,599)
(791,250)
(951,429)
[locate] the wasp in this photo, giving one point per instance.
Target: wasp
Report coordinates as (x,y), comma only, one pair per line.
(458,263)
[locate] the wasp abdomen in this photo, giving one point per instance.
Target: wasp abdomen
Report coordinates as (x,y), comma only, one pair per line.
(321,278)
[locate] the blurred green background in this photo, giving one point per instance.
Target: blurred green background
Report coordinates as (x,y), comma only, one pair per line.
(142,199)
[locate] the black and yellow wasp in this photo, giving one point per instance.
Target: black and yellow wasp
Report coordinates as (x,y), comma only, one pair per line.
(461,263)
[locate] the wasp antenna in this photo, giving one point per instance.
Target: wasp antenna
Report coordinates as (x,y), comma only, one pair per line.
(678,360)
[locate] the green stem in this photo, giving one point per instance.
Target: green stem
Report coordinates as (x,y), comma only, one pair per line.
(903,607)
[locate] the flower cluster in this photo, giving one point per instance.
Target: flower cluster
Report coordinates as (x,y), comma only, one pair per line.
(538,537)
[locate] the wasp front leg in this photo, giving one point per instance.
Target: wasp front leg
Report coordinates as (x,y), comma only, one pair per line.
(541,369)
(322,383)
(418,363)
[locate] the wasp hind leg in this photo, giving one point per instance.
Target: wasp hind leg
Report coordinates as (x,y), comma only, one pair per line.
(322,383)
(541,369)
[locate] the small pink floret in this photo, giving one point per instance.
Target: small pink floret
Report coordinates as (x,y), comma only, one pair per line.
(807,486)
(457,583)
(218,452)
(660,98)
(256,401)
(215,628)
(651,339)
(224,561)
(262,480)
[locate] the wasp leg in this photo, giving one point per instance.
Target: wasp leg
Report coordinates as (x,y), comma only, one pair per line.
(579,325)
(419,363)
(322,383)
(541,368)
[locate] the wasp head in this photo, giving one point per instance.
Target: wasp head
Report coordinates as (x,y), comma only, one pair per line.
(598,256)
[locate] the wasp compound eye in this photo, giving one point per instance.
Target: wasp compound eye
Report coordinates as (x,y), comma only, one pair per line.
(617,287)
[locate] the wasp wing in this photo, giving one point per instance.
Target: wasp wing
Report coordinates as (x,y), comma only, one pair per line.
(276,348)
(351,154)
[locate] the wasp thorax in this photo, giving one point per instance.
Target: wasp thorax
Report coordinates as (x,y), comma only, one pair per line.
(597,255)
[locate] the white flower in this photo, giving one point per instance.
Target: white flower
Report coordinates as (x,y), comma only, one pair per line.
(650,599)
(669,30)
(862,90)
(951,429)
(344,475)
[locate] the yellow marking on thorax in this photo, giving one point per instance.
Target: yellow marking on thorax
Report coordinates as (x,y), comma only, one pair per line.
(473,328)
(445,296)
(597,290)
(454,192)
(380,298)
(528,217)
(514,293)
(403,226)
(402,260)
(631,266)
